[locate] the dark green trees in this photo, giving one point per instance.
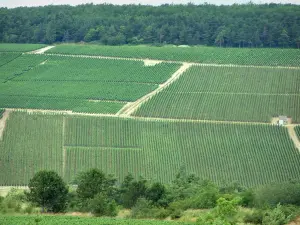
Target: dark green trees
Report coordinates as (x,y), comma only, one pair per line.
(248,25)
(47,190)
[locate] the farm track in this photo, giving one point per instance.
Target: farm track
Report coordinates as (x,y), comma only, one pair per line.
(62,112)
(293,135)
(172,61)
(41,50)
(3,120)
(129,108)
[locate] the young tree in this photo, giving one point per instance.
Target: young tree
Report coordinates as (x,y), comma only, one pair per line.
(48,190)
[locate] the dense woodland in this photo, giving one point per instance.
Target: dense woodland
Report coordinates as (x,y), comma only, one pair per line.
(250,25)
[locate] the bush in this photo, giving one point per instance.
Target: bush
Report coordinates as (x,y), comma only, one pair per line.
(256,217)
(275,217)
(142,209)
(100,205)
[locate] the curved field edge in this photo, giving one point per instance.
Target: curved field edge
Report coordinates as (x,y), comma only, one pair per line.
(249,154)
(12,47)
(70,220)
(197,54)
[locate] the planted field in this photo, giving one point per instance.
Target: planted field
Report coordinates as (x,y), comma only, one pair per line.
(228,93)
(74,220)
(297,129)
(77,84)
(7,57)
(1,113)
(201,54)
(250,154)
(30,143)
(20,47)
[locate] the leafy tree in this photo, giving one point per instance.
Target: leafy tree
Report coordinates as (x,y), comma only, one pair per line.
(48,190)
(101,205)
(275,217)
(284,38)
(156,193)
(93,182)
(131,190)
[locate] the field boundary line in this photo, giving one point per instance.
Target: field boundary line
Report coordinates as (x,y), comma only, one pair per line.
(130,108)
(170,61)
(103,147)
(3,121)
(293,135)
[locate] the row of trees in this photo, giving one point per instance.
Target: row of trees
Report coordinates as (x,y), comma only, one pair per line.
(249,25)
(100,194)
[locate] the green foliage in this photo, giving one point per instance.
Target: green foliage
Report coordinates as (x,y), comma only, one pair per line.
(47,190)
(156,193)
(224,213)
(285,193)
(58,219)
(131,190)
(1,112)
(275,217)
(20,47)
(101,205)
(254,218)
(94,184)
(205,93)
(199,54)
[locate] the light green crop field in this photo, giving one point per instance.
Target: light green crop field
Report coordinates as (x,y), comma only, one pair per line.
(74,220)
(199,54)
(20,47)
(6,57)
(77,84)
(229,93)
(250,154)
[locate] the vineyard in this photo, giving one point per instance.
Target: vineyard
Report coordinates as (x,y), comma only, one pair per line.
(297,129)
(78,84)
(250,154)
(228,93)
(20,47)
(242,56)
(1,113)
(7,57)
(55,220)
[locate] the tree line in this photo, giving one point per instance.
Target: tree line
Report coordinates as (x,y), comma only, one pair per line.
(100,194)
(247,25)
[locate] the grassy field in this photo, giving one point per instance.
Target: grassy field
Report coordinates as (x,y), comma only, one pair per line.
(20,47)
(77,84)
(228,93)
(250,154)
(241,56)
(6,57)
(75,220)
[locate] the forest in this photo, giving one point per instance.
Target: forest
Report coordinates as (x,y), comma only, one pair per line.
(248,25)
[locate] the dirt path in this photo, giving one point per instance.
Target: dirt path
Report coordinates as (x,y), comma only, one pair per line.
(293,135)
(42,50)
(3,122)
(172,61)
(129,108)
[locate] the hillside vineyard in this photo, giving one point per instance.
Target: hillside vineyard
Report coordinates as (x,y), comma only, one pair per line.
(149,111)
